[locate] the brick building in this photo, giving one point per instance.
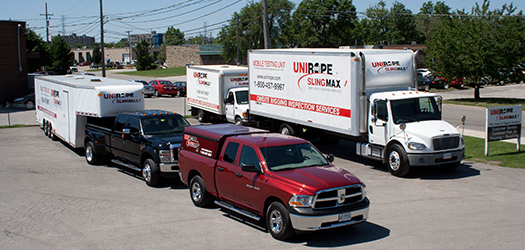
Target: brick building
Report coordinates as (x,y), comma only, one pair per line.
(195,54)
(13,60)
(73,39)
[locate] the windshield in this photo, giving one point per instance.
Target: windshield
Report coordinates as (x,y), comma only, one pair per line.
(415,110)
(292,157)
(165,83)
(242,97)
(163,125)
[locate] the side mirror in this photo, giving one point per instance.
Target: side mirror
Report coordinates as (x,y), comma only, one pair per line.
(249,167)
(330,158)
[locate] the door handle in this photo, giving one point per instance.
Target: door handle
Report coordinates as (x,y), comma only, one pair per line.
(238,175)
(220,169)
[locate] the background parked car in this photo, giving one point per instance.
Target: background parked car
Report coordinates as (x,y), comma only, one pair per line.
(85,63)
(85,74)
(445,83)
(424,72)
(93,66)
(181,87)
(424,82)
(148,89)
(27,101)
(163,87)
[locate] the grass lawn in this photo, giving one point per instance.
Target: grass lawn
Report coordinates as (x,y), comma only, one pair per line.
(180,71)
(487,102)
(501,153)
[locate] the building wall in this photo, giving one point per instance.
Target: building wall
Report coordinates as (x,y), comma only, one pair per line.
(114,54)
(13,72)
(179,56)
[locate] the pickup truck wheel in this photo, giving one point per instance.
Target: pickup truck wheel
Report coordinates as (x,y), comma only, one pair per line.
(397,161)
(92,158)
(278,221)
(150,172)
(199,195)
(201,116)
(427,87)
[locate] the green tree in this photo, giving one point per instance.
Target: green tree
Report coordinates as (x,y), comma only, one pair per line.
(477,45)
(61,56)
(251,34)
(39,51)
(144,58)
(96,55)
(430,17)
(376,23)
(122,43)
(324,23)
(173,36)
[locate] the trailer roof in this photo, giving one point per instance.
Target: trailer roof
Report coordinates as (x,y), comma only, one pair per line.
(332,50)
(224,69)
(88,82)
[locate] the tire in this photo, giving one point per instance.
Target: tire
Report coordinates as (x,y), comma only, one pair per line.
(286,129)
(151,173)
(238,121)
(30,104)
(44,127)
(92,158)
(278,221)
(156,94)
(446,86)
(451,166)
(50,130)
(397,161)
(198,193)
(427,87)
(202,116)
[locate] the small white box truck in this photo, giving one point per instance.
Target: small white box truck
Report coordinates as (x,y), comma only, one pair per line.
(218,91)
(63,103)
(368,96)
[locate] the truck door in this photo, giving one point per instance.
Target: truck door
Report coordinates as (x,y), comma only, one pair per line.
(229,107)
(377,130)
(225,172)
(117,140)
(248,185)
(131,141)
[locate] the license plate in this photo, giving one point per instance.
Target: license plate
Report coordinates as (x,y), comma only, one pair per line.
(447,155)
(345,216)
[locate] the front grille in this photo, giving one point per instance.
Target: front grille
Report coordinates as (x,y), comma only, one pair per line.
(444,143)
(334,197)
(174,152)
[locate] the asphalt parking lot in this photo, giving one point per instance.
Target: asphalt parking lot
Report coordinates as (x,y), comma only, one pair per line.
(52,199)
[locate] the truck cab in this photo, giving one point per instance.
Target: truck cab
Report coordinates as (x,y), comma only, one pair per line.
(236,105)
(405,129)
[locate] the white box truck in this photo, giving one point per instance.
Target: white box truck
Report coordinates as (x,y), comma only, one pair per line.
(63,103)
(368,96)
(218,91)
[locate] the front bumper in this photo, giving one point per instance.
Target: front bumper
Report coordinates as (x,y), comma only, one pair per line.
(313,222)
(169,167)
(436,158)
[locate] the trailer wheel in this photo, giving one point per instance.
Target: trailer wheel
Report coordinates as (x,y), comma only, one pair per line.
(92,158)
(397,161)
(150,172)
(51,134)
(202,116)
(278,221)
(199,195)
(286,129)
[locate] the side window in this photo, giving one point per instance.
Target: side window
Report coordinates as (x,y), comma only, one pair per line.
(133,125)
(382,111)
(121,120)
(230,152)
(249,156)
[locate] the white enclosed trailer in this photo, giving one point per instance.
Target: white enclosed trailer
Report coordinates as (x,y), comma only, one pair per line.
(209,89)
(365,95)
(63,103)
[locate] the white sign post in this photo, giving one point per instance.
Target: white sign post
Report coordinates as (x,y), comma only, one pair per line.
(502,123)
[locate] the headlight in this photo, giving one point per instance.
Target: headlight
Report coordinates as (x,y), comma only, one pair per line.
(164,155)
(301,201)
(416,146)
(462,141)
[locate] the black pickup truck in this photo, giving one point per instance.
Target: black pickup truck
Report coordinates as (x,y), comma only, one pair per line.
(147,141)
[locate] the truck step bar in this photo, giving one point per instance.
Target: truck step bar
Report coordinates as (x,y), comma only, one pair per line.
(125,164)
(240,211)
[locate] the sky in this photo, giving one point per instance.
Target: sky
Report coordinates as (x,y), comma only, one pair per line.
(193,17)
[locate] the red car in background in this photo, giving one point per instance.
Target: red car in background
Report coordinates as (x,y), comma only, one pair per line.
(164,87)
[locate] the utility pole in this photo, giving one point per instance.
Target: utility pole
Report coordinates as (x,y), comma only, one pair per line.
(267,44)
(237,62)
(47,24)
(63,25)
(130,51)
(102,41)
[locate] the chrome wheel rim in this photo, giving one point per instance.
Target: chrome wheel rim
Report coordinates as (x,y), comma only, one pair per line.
(276,221)
(89,153)
(146,172)
(394,160)
(196,192)
(285,131)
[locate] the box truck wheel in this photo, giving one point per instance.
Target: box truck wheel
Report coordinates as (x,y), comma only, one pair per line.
(397,161)
(150,172)
(92,158)
(287,129)
(199,195)
(278,221)
(202,116)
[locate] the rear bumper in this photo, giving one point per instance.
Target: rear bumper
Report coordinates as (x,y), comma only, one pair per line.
(313,222)
(436,158)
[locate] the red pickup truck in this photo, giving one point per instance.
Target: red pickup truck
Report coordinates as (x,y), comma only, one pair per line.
(280,178)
